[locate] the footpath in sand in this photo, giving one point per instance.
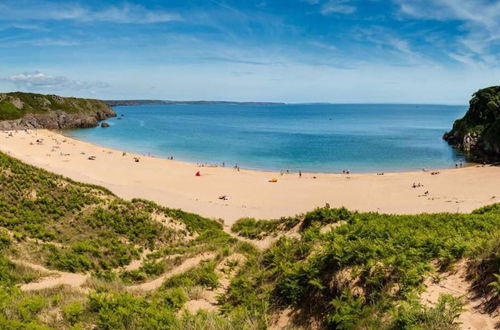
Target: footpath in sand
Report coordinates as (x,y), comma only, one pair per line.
(184,266)
(174,184)
(56,278)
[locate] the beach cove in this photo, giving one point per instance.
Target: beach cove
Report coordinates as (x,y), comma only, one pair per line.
(249,193)
(363,138)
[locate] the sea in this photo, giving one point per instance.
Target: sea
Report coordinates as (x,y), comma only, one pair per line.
(280,137)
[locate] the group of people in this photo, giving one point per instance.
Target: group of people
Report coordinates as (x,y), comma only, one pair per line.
(419,185)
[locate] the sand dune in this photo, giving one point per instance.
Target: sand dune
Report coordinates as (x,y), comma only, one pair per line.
(174,184)
(184,266)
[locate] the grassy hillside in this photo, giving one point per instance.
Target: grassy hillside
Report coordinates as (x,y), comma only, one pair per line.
(149,267)
(16,105)
(27,110)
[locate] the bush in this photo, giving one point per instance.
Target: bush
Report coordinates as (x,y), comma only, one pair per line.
(325,215)
(203,275)
(73,312)
(258,229)
(412,315)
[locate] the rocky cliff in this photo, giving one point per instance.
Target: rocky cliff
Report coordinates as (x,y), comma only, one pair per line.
(27,110)
(478,132)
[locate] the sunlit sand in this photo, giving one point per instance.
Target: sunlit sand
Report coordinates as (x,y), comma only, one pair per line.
(249,193)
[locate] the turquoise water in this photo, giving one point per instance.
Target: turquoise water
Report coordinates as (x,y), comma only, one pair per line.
(318,137)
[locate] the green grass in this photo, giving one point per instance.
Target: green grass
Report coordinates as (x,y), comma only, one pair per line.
(8,111)
(203,275)
(258,229)
(87,228)
(358,273)
(40,103)
(365,273)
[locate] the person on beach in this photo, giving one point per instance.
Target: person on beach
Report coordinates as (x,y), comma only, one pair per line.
(300,174)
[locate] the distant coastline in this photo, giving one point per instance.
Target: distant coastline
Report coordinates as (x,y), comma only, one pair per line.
(114,103)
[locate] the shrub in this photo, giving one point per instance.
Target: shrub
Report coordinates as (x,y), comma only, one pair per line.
(412,315)
(203,275)
(73,312)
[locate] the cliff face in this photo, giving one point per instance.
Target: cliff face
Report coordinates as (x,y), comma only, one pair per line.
(478,132)
(27,110)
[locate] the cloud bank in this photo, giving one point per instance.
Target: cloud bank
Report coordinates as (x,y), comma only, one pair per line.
(39,81)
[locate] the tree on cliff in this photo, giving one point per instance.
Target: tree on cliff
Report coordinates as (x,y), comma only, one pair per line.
(478,132)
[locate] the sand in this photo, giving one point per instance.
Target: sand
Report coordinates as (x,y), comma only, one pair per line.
(455,283)
(183,267)
(174,184)
(56,278)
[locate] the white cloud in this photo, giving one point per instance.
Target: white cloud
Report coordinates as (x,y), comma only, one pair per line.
(394,45)
(480,19)
(337,6)
(127,13)
(36,81)
(323,45)
(481,12)
(133,14)
(38,42)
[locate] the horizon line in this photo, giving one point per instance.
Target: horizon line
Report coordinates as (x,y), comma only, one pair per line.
(167,102)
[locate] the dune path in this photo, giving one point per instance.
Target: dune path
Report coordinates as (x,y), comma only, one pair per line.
(184,266)
(55,278)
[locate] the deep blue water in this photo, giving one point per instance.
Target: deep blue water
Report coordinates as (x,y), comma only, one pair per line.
(319,137)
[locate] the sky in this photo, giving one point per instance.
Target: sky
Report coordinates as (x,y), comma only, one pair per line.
(339,51)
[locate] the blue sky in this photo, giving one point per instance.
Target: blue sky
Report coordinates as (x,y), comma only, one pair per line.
(410,51)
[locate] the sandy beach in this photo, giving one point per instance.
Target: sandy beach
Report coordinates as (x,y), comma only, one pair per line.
(250,194)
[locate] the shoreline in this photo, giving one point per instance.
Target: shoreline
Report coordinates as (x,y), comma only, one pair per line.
(269,171)
(173,183)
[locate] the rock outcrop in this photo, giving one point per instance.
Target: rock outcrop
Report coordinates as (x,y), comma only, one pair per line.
(478,132)
(27,110)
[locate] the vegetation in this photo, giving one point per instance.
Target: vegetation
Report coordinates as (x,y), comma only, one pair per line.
(8,111)
(365,272)
(258,229)
(15,105)
(27,110)
(481,124)
(358,273)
